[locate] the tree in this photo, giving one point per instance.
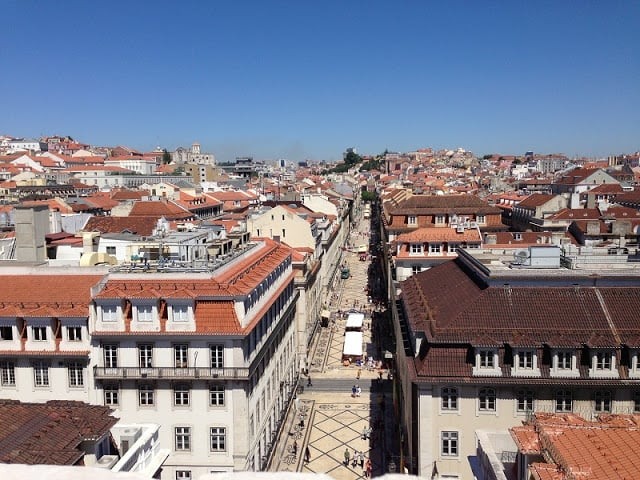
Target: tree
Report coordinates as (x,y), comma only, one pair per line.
(352,158)
(166,156)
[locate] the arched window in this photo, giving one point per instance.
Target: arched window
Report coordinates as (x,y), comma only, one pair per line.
(487,397)
(449,398)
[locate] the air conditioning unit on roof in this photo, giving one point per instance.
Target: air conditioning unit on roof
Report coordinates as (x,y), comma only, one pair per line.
(106,461)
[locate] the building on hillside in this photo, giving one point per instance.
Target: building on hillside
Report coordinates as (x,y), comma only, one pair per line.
(421,249)
(138,164)
(484,341)
(193,155)
(579,181)
(531,212)
(402,214)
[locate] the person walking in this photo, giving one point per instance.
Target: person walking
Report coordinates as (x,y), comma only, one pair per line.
(353,391)
(347,456)
(367,469)
(358,390)
(295,448)
(307,454)
(358,374)
(309,384)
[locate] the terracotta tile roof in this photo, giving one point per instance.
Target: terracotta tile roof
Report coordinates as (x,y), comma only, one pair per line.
(158,209)
(50,433)
(106,224)
(544,471)
(526,439)
(46,295)
(217,318)
(621,213)
(439,235)
(535,200)
(214,307)
(600,450)
(120,195)
(607,188)
(479,314)
(576,176)
(576,214)
(447,362)
(426,204)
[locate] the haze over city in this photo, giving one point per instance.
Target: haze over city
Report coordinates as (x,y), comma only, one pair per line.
(304,80)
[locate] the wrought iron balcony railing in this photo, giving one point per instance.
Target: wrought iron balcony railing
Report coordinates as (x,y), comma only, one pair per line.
(170,373)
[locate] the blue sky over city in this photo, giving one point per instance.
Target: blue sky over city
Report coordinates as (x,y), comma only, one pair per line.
(304,80)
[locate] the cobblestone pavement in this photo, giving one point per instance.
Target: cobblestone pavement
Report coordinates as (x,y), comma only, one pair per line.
(333,419)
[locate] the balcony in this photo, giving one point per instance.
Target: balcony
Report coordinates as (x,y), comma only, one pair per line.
(170,373)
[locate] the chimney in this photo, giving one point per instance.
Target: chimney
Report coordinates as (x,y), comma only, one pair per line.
(32,224)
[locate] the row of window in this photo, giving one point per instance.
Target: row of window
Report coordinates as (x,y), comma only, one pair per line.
(181,395)
(40,334)
(524,398)
(528,360)
(144,313)
(75,372)
(180,355)
(442,219)
(217,440)
(418,248)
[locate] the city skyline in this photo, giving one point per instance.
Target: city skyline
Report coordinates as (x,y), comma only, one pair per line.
(305,81)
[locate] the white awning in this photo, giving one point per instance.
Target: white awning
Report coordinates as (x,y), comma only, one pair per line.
(354,321)
(352,344)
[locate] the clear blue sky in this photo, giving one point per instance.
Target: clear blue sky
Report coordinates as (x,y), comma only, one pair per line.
(303,79)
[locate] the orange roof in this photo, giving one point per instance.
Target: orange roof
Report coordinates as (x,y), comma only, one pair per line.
(592,450)
(52,295)
(217,318)
(436,234)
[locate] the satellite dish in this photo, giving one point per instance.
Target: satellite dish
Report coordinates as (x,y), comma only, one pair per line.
(520,256)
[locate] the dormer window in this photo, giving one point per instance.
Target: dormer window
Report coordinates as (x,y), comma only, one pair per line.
(416,248)
(634,364)
(564,360)
(603,360)
(180,313)
(145,313)
(6,333)
(109,313)
(481,219)
(412,220)
(486,359)
(525,362)
(603,364)
(39,334)
(435,248)
(487,362)
(564,364)
(439,219)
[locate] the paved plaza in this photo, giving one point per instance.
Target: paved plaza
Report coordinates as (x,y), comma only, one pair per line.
(326,418)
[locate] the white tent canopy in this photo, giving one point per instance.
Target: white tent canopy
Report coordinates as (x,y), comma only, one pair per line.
(352,345)
(354,321)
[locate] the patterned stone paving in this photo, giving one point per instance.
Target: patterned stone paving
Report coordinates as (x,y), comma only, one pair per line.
(333,421)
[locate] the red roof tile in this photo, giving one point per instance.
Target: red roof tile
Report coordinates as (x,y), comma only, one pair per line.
(50,433)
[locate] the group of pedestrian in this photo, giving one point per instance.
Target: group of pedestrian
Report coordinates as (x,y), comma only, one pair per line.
(358,459)
(356,390)
(307,452)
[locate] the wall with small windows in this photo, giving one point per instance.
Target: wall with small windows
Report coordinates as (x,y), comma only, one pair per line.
(450,414)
